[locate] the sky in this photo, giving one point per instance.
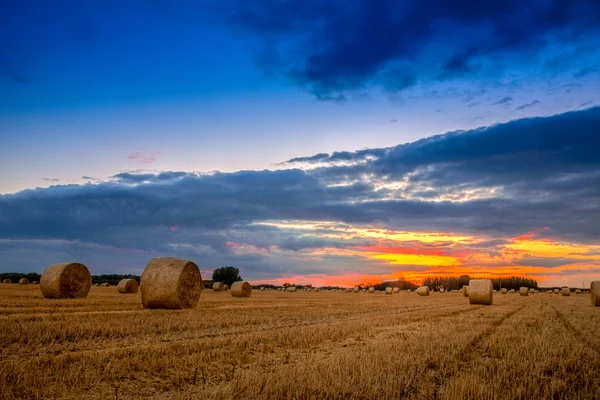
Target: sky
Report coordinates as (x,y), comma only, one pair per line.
(315,141)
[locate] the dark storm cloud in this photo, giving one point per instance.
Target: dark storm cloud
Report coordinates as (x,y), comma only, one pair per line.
(546,173)
(330,47)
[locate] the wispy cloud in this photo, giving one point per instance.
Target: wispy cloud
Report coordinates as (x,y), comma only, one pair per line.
(527,105)
(144,156)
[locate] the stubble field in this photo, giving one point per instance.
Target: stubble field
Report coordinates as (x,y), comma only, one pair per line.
(302,345)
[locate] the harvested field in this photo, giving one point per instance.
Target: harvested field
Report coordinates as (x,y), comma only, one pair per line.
(305,345)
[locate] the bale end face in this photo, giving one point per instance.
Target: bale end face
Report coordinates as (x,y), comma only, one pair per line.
(171,283)
(23,281)
(503,291)
(218,286)
(241,289)
(565,291)
(371,289)
(524,291)
(66,281)
(481,291)
(423,291)
(388,290)
(7,281)
(595,293)
(127,286)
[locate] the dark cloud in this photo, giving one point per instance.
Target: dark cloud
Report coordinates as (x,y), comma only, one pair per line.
(502,180)
(547,262)
(332,47)
(505,100)
(527,105)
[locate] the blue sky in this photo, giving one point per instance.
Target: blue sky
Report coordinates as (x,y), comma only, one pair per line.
(94,90)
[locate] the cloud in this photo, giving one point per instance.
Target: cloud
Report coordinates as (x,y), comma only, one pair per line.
(393,121)
(144,156)
(333,48)
(503,101)
(527,105)
(547,262)
(495,182)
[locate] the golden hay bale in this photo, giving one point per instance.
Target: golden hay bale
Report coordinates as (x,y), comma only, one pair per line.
(423,291)
(442,290)
(565,291)
(503,291)
(556,291)
(523,291)
(396,290)
(356,289)
(577,291)
(127,286)
(35,283)
(481,291)
(262,289)
(595,293)
(512,290)
(371,289)
(241,289)
(105,284)
(465,291)
(388,290)
(172,283)
(225,287)
(291,289)
(96,284)
(7,281)
(218,286)
(66,281)
(23,281)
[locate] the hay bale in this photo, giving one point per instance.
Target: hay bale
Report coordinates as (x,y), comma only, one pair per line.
(171,283)
(512,290)
(291,289)
(241,289)
(396,290)
(262,289)
(565,291)
(595,293)
(356,289)
(388,290)
(127,286)
(423,291)
(503,291)
(218,286)
(495,291)
(7,281)
(481,291)
(225,287)
(523,291)
(465,291)
(442,290)
(35,283)
(96,284)
(23,281)
(577,291)
(556,291)
(105,284)
(371,289)
(66,281)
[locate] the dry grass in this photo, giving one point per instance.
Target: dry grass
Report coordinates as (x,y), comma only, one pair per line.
(325,345)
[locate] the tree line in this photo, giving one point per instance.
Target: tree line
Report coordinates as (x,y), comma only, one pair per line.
(456,283)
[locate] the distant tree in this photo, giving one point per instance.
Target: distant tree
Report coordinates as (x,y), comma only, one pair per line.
(463,280)
(227,275)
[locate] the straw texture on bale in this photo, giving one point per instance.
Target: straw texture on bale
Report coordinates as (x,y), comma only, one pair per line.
(127,286)
(371,289)
(523,291)
(171,283)
(566,291)
(241,289)
(595,293)
(423,291)
(66,281)
(23,281)
(503,291)
(465,291)
(396,290)
(218,286)
(388,290)
(481,291)
(291,289)
(7,281)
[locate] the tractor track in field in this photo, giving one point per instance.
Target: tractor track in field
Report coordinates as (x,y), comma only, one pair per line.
(441,312)
(576,332)
(468,352)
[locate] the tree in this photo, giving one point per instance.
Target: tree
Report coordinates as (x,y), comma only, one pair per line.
(227,275)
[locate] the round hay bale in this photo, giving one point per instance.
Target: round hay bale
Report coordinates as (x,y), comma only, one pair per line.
(356,289)
(241,289)
(503,291)
(423,291)
(396,290)
(388,290)
(565,291)
(171,283)
(225,287)
(442,290)
(523,291)
(23,281)
(556,291)
(291,289)
(371,289)
(7,281)
(495,291)
(481,291)
(595,293)
(512,290)
(218,286)
(577,291)
(96,284)
(127,286)
(35,283)
(465,291)
(105,284)
(66,281)
(262,289)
